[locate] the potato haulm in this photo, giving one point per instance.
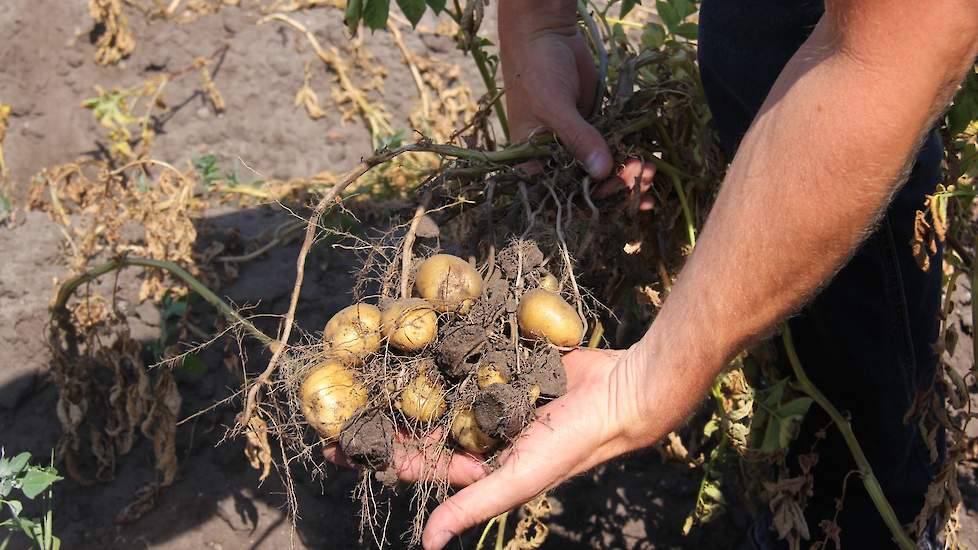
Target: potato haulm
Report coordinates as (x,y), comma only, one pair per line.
(448,282)
(544,315)
(330,395)
(353,333)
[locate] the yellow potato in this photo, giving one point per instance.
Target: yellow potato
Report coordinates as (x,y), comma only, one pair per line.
(543,314)
(487,375)
(549,282)
(330,395)
(353,333)
(423,399)
(468,435)
(410,324)
(448,282)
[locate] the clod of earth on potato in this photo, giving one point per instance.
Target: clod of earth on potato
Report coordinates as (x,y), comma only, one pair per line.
(544,315)
(410,324)
(448,282)
(330,395)
(423,399)
(502,410)
(353,333)
(467,434)
(368,439)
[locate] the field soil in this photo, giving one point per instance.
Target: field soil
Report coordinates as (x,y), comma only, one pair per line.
(46,70)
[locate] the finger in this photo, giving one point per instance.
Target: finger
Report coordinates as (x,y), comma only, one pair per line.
(522,476)
(334,454)
(424,460)
(564,442)
(582,140)
(646,203)
(634,171)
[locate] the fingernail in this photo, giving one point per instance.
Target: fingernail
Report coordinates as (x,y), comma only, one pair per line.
(595,164)
(439,540)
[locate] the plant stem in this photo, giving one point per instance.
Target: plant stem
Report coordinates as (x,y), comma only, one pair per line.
(673,174)
(68,289)
(862,463)
(974,310)
(501,533)
(482,63)
(485,532)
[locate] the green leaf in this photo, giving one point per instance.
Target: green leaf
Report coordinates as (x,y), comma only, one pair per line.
(687,30)
(653,36)
(15,465)
(193,366)
(15,507)
(965,107)
(627,5)
(781,428)
(796,408)
(670,17)
(413,10)
(375,13)
(354,11)
(684,8)
(37,480)
(436,6)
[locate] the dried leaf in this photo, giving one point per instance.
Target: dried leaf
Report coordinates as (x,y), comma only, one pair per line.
(257,450)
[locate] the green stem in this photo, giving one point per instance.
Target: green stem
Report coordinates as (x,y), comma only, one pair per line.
(673,174)
(526,150)
(862,463)
(68,289)
(501,532)
(974,309)
(485,532)
(482,62)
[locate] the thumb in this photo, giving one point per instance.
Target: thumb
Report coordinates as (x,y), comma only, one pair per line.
(582,140)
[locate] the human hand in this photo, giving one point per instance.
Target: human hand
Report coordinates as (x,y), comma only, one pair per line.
(601,416)
(550,78)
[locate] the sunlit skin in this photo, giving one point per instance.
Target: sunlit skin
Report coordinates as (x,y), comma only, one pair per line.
(817,167)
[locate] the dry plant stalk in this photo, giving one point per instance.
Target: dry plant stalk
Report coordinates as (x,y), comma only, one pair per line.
(115,41)
(374,116)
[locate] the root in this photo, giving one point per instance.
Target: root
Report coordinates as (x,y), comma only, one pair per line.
(408,246)
(518,153)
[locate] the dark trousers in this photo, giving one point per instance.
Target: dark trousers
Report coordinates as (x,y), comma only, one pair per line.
(866,339)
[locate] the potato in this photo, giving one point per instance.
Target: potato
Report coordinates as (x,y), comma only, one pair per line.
(487,375)
(409,324)
(330,395)
(448,282)
(468,435)
(543,314)
(423,399)
(353,333)
(549,282)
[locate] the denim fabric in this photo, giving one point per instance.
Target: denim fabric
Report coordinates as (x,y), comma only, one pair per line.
(865,340)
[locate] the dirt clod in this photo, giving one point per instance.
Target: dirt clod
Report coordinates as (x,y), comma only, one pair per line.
(368,439)
(509,259)
(547,372)
(459,352)
(501,411)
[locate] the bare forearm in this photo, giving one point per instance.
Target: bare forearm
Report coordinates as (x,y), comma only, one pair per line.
(818,165)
